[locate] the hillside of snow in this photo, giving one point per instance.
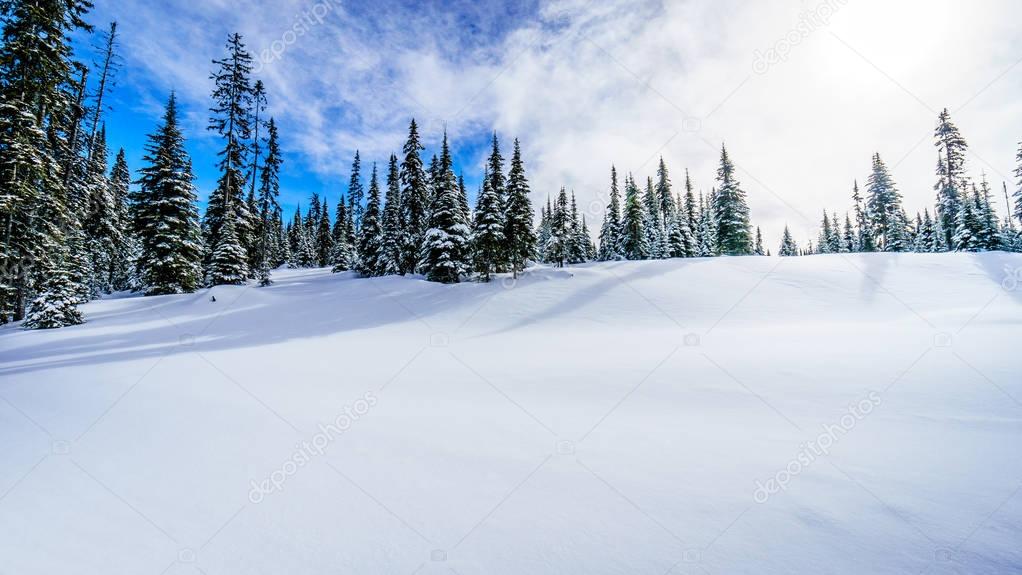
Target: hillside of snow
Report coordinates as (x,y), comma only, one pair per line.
(826,414)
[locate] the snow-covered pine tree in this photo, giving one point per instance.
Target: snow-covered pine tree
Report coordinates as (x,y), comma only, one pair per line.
(734,232)
(256,223)
(759,250)
(231,119)
(926,236)
(825,232)
(883,205)
(610,231)
(165,218)
(848,236)
(707,228)
(544,232)
(227,263)
(268,203)
(466,211)
(342,256)
(356,193)
(324,238)
(652,221)
(498,185)
(446,247)
(101,225)
(370,238)
(634,240)
(864,241)
(663,191)
(487,231)
(393,222)
(121,274)
(415,198)
(968,226)
(951,186)
(558,245)
(36,63)
(788,246)
(989,230)
(692,214)
(518,232)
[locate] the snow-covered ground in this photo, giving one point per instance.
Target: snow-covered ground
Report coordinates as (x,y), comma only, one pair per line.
(830,414)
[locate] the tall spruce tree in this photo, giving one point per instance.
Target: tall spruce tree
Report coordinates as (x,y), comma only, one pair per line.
(370,239)
(356,193)
(36,124)
(734,232)
(488,241)
(122,276)
(884,207)
(446,248)
(610,231)
(634,240)
(558,245)
(231,119)
(415,201)
(519,235)
(393,222)
(268,201)
(951,186)
(498,185)
(165,218)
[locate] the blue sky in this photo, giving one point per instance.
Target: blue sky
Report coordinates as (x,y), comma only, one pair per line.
(459,29)
(803,93)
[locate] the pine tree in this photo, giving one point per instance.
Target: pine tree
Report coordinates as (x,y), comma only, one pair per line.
(864,238)
(663,190)
(989,231)
(466,211)
(324,240)
(634,241)
(926,238)
(393,222)
(37,122)
(165,218)
(951,180)
(692,213)
(518,231)
(968,227)
(227,263)
(101,225)
(1018,190)
(488,231)
(707,229)
(57,305)
(788,246)
(759,251)
(652,222)
(825,232)
(268,203)
(231,119)
(370,239)
(128,248)
(342,256)
(446,244)
(848,238)
(558,245)
(610,231)
(415,198)
(884,207)
(498,185)
(733,227)
(544,232)
(356,193)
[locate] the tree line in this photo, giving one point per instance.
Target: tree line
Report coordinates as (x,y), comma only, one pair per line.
(964,216)
(76,227)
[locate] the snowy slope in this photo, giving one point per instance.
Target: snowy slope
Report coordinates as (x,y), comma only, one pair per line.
(610,418)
